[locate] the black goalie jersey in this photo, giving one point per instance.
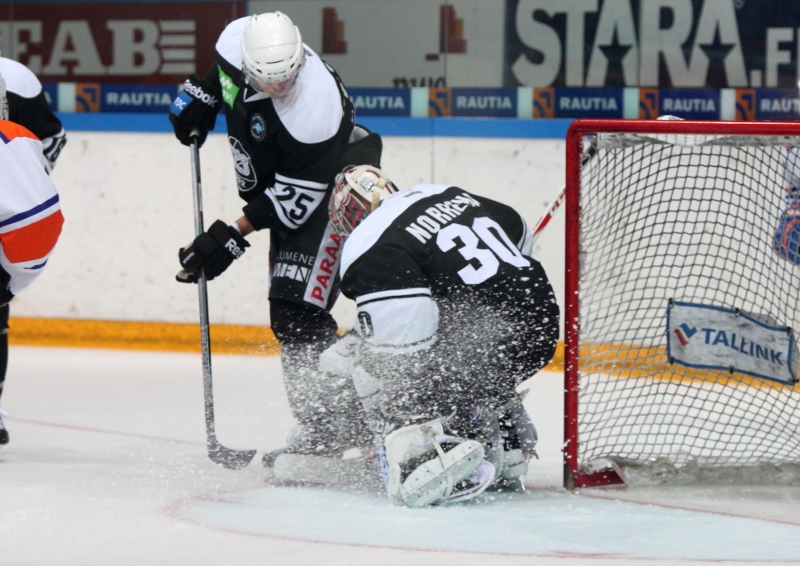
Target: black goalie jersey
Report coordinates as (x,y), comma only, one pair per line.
(436,257)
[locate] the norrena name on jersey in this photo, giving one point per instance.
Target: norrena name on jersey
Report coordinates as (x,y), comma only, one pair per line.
(198,93)
(438,216)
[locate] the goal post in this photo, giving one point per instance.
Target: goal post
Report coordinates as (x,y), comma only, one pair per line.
(682,303)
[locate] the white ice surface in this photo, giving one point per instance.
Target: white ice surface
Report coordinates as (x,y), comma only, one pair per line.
(107,466)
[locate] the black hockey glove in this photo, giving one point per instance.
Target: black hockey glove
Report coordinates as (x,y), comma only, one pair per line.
(215,250)
(195,108)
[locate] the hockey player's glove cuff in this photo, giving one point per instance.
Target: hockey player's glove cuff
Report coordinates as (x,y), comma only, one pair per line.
(195,109)
(213,250)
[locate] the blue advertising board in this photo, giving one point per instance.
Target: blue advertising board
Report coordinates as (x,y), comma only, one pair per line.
(588,103)
(51,94)
(381,101)
(136,98)
(689,104)
(777,104)
(484,102)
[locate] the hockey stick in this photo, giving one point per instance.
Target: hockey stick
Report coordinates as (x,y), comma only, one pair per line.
(590,152)
(231,459)
(548,216)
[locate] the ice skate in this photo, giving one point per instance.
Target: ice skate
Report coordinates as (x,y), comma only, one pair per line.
(519,446)
(3,431)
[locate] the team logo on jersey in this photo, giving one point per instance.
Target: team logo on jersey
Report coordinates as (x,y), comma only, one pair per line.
(245,174)
(365,321)
(258,127)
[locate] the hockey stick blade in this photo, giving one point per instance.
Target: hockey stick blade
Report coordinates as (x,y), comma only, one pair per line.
(228,457)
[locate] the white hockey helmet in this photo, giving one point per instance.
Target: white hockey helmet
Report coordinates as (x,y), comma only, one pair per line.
(3,100)
(272,49)
(357,191)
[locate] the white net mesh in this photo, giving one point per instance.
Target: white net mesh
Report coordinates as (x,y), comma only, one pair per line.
(689,218)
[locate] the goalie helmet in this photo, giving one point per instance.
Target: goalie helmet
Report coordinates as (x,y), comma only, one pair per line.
(272,49)
(3,100)
(357,191)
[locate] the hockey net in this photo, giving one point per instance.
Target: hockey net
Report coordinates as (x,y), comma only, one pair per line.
(672,213)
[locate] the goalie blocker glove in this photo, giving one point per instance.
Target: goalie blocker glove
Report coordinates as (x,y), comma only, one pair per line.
(195,108)
(214,250)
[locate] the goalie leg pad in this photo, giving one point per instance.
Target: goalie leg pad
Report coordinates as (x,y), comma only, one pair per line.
(426,466)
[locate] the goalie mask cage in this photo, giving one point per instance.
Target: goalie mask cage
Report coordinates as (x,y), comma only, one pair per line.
(661,211)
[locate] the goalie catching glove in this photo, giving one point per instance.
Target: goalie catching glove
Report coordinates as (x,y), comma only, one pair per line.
(213,250)
(194,111)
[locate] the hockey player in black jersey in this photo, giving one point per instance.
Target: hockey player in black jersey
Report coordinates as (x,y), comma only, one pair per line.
(452,315)
(28,107)
(291,129)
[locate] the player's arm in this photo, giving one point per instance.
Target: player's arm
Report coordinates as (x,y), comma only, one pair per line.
(30,212)
(52,146)
(35,114)
(28,107)
(396,312)
(193,113)
(195,109)
(287,204)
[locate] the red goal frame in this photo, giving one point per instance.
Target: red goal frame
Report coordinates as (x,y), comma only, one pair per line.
(578,130)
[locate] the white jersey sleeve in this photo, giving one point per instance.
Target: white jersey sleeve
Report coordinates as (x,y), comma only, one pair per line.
(398,321)
(30,211)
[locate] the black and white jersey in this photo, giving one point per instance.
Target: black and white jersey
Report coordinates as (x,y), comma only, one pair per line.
(28,107)
(286,150)
(422,245)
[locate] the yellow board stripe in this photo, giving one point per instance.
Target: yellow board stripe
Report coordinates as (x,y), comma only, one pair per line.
(631,361)
(157,336)
(128,335)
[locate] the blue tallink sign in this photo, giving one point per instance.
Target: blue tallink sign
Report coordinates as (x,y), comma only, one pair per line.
(717,338)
